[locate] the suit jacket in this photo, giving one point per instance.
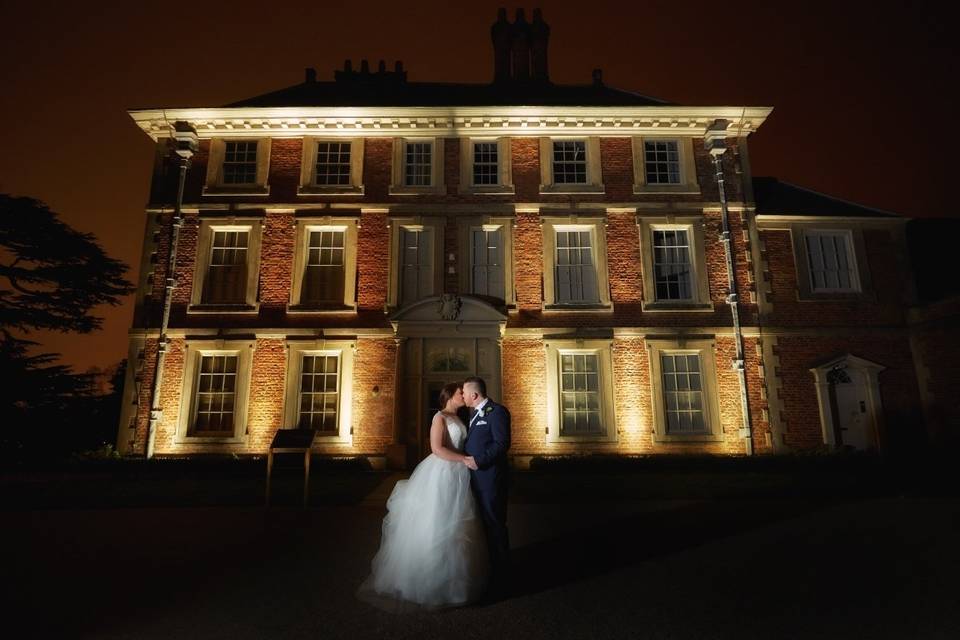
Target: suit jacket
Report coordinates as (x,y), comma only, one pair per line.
(487,441)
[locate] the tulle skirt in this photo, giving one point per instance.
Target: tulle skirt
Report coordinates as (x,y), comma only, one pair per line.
(433,550)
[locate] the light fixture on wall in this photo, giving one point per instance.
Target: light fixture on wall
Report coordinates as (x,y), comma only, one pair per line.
(375,391)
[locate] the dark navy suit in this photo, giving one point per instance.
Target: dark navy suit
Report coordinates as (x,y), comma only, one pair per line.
(487,441)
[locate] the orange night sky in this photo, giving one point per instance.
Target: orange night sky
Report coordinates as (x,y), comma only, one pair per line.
(863,104)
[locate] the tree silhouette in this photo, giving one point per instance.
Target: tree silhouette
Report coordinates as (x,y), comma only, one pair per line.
(51,277)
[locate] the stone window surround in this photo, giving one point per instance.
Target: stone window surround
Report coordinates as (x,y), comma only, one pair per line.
(802,262)
(708,375)
(694,225)
(214,186)
(602,348)
(504,161)
(308,168)
(345,350)
(465,227)
(436,223)
(688,166)
(193,351)
(594,183)
(202,265)
(302,234)
(598,237)
(398,167)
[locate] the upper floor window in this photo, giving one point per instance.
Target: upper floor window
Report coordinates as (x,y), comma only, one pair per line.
(416,263)
(674,264)
(226,281)
(486,260)
(672,267)
(570,165)
(228,258)
(331,166)
(575,263)
(662,161)
(569,162)
(324,265)
(831,261)
(417,166)
(664,165)
(240,162)
(238,167)
(485,166)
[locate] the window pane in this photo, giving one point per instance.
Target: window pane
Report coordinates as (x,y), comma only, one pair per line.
(830,261)
(682,393)
(570,162)
(240,163)
(215,396)
(662,161)
(580,394)
(332,164)
(319,397)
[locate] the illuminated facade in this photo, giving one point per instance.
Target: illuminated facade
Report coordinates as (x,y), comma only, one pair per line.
(345,248)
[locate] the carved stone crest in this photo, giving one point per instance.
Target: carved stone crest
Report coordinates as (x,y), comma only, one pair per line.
(450,306)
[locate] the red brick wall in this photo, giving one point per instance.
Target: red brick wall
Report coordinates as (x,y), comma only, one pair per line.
(373,239)
(528,262)
(374,366)
(524,384)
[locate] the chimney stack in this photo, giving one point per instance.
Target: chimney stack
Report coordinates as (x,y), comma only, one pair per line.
(520,48)
(539,38)
(500,34)
(310,75)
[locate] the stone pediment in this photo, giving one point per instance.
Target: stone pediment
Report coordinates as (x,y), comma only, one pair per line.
(449,310)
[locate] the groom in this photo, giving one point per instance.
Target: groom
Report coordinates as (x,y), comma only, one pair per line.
(488,438)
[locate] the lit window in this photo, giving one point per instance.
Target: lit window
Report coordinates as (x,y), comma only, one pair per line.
(576,273)
(486,260)
(683,394)
(416,264)
(323,278)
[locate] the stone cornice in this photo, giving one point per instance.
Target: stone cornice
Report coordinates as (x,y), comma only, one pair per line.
(289,122)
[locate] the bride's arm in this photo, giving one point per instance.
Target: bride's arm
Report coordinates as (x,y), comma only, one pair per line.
(437,427)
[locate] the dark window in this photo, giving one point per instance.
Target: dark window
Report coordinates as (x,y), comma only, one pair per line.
(570,162)
(333,163)
(240,163)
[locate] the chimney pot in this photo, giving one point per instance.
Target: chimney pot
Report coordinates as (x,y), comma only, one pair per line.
(398,66)
(364,67)
(348,65)
(310,74)
(382,67)
(598,77)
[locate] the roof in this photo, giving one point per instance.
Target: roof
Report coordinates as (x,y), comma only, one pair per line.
(781,198)
(374,92)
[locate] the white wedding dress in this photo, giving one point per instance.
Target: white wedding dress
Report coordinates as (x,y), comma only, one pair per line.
(433,550)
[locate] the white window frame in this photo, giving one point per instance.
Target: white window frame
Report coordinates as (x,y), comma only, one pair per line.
(858,256)
(466,227)
(308,168)
(417,223)
(708,375)
(193,353)
(601,348)
(202,265)
(398,167)
(304,227)
(594,173)
(847,237)
(505,185)
(344,349)
(700,284)
(214,185)
(598,241)
(688,166)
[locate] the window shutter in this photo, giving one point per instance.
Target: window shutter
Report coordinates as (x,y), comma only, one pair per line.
(425,270)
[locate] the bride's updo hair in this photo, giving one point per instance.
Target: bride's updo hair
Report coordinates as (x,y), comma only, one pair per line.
(448,392)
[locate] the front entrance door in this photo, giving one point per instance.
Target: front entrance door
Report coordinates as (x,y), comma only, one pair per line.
(850,410)
(848,393)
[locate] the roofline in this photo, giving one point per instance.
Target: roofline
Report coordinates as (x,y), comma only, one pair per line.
(829,197)
(450,120)
(763,218)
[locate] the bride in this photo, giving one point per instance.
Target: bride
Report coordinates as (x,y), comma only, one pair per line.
(433,548)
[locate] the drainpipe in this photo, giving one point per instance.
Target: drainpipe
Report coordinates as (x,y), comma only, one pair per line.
(186,145)
(715,142)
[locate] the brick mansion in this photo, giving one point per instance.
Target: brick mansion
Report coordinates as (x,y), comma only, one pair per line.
(327,256)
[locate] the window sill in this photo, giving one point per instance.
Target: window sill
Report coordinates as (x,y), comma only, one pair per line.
(646,189)
(694,307)
(210,439)
(298,309)
(691,438)
(837,296)
(491,190)
(595,307)
(237,190)
(572,189)
(331,440)
(224,308)
(343,190)
(397,190)
(594,439)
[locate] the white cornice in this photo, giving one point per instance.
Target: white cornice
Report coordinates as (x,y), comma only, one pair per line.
(769,221)
(294,122)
